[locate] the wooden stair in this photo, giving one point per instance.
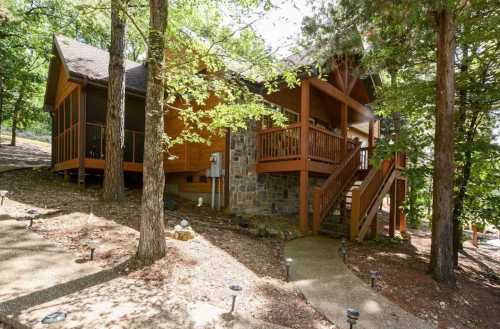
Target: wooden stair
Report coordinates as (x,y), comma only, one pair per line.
(334,188)
(367,198)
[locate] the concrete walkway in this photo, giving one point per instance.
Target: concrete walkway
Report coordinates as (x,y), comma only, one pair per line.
(332,288)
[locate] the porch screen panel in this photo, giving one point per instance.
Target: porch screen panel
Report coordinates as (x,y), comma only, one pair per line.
(93,141)
(74,107)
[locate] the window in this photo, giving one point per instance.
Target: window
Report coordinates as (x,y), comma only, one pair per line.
(189,179)
(291,116)
(203,179)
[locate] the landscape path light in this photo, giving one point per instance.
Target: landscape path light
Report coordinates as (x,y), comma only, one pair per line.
(32,213)
(236,289)
(343,249)
(288,264)
(352,317)
(92,245)
(374,275)
(3,195)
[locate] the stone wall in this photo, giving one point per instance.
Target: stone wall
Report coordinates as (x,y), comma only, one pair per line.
(262,194)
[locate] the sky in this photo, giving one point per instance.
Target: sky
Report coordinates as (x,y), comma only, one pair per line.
(280,27)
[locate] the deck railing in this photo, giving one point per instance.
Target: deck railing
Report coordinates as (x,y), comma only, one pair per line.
(324,145)
(277,144)
(366,195)
(96,143)
(325,197)
(364,159)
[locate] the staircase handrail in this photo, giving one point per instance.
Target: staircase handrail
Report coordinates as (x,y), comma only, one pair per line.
(325,196)
(385,173)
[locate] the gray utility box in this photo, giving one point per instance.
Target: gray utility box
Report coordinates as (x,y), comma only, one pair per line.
(215,165)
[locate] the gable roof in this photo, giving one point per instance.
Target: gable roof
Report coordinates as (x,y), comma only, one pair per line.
(83,62)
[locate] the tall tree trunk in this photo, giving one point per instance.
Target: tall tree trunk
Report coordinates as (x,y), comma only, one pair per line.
(114,188)
(1,104)
(441,265)
(15,117)
(152,238)
(459,180)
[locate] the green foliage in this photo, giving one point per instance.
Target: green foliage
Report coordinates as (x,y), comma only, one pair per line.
(397,41)
(213,57)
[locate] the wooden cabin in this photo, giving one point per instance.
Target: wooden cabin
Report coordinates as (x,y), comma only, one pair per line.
(316,168)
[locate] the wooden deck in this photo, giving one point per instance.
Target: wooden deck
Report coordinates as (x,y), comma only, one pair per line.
(280,150)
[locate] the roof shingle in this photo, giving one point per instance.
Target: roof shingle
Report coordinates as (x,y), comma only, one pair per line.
(85,61)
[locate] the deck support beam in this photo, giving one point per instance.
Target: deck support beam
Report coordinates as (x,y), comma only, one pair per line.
(370,139)
(304,156)
(400,197)
(393,209)
(81,135)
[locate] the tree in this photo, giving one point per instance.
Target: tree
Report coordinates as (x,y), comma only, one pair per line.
(442,219)
(152,239)
(206,82)
(402,41)
(114,186)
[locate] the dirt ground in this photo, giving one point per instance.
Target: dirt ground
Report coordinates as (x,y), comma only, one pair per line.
(27,153)
(199,270)
(403,265)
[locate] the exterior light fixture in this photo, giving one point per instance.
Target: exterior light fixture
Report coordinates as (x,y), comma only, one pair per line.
(92,245)
(374,275)
(288,264)
(3,195)
(31,215)
(236,289)
(352,317)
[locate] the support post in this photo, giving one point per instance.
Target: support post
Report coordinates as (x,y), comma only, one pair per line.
(227,167)
(81,135)
(343,127)
(392,213)
(304,155)
(401,195)
(355,213)
(303,201)
(370,139)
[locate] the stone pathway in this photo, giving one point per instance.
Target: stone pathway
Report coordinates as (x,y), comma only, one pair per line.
(331,288)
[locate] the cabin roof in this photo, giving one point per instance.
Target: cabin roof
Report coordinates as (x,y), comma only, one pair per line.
(83,62)
(87,62)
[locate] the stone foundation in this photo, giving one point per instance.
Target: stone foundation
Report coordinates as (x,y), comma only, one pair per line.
(261,194)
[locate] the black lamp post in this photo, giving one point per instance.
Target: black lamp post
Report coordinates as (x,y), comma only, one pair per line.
(236,289)
(352,317)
